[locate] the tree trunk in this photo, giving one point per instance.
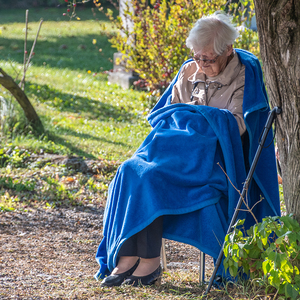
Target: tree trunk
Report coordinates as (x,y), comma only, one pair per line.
(22,99)
(278,24)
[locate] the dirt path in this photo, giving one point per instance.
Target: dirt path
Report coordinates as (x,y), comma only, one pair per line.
(49,254)
(46,252)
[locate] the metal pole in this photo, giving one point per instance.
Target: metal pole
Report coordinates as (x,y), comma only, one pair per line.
(201,267)
(272,116)
(163,255)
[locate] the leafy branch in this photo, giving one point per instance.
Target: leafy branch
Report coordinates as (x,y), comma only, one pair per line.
(270,251)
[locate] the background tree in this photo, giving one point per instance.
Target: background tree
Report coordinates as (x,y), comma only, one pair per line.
(29,111)
(278,24)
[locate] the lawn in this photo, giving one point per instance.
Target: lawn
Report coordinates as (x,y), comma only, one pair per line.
(83,115)
(67,84)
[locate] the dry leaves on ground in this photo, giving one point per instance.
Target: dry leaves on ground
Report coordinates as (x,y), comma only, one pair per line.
(50,254)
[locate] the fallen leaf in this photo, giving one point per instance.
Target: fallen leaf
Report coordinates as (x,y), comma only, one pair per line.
(70,179)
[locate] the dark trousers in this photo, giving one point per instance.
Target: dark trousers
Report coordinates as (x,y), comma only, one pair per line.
(146,243)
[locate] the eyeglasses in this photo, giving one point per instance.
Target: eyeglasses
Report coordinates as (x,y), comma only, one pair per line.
(204,60)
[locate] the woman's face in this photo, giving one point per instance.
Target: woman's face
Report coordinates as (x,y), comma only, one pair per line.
(209,62)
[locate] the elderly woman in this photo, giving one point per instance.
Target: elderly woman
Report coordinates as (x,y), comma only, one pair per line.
(216,76)
(175,186)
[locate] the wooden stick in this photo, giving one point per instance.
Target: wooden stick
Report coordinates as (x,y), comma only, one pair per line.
(33,46)
(22,84)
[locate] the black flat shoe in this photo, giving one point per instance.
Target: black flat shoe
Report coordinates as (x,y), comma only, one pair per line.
(153,278)
(117,279)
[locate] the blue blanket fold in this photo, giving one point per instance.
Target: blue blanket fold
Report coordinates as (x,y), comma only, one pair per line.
(179,172)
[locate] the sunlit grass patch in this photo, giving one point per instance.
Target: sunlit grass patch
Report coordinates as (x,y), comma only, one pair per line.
(7,202)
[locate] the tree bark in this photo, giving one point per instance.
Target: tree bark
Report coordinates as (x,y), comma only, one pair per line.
(278,24)
(22,99)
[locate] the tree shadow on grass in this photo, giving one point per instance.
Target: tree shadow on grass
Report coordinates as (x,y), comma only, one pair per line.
(76,150)
(62,52)
(65,102)
(73,149)
(85,136)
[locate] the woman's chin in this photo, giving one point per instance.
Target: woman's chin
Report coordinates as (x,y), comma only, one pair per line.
(208,72)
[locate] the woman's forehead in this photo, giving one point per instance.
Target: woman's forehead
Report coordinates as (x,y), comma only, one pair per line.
(205,51)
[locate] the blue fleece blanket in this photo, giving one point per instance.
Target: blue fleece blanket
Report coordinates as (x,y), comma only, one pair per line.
(255,109)
(177,172)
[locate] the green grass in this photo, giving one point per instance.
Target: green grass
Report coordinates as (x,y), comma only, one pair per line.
(67,84)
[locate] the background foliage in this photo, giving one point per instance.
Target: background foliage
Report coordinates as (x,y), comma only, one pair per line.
(152,37)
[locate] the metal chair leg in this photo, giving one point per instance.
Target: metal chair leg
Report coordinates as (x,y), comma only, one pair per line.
(201,262)
(202,267)
(163,256)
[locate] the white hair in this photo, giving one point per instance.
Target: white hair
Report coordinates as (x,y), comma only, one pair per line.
(216,30)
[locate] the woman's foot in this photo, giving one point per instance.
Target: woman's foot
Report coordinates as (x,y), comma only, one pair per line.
(146,266)
(148,272)
(118,275)
(125,263)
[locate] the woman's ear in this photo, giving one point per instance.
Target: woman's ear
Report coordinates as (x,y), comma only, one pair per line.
(229,50)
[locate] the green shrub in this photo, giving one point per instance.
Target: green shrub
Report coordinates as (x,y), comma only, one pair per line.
(18,185)
(14,157)
(270,250)
(13,121)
